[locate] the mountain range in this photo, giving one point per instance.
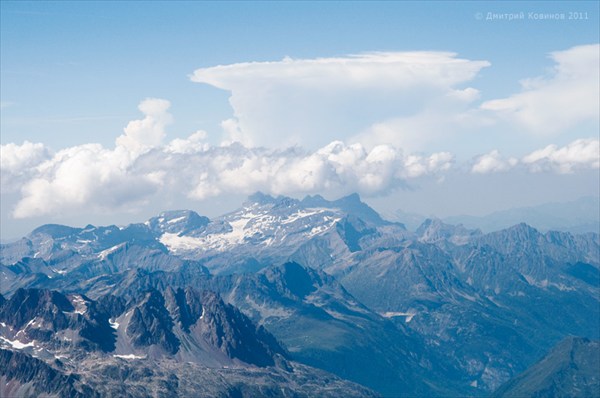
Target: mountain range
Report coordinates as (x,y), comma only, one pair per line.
(281,291)
(579,216)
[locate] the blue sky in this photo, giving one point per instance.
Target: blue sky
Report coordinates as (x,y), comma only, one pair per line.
(74,73)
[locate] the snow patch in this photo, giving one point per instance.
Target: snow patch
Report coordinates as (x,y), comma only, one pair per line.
(534,282)
(16,344)
(300,214)
(129,356)
(31,322)
(173,221)
(58,271)
(392,314)
(102,255)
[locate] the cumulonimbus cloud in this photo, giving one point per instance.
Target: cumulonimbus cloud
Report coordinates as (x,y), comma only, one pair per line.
(422,85)
(405,99)
(311,102)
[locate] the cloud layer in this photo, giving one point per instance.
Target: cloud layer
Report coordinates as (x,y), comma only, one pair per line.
(86,177)
(366,124)
(141,167)
(582,154)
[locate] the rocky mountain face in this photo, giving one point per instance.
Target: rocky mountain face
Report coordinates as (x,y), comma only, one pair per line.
(314,317)
(100,376)
(500,291)
(70,345)
(570,369)
(173,323)
(441,311)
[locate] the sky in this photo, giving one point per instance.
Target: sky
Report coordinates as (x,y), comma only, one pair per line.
(114,111)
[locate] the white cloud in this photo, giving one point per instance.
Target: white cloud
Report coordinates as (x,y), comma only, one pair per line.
(492,162)
(91,177)
(312,102)
(144,134)
(81,179)
(194,143)
(578,155)
(17,162)
(334,169)
(369,124)
(581,154)
(561,100)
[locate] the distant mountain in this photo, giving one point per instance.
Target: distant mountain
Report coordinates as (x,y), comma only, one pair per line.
(174,340)
(267,230)
(571,369)
(444,310)
(580,216)
(500,291)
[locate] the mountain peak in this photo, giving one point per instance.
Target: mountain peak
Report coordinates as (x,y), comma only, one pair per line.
(177,221)
(523,229)
(260,198)
(354,206)
(55,230)
(352,198)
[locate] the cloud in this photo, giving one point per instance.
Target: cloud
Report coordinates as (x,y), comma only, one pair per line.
(565,97)
(17,162)
(371,124)
(144,134)
(91,177)
(141,169)
(578,155)
(492,162)
(194,143)
(312,102)
(581,154)
(84,178)
(335,169)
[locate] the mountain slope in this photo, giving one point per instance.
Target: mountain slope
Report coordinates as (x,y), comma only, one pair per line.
(317,320)
(403,312)
(571,369)
(172,342)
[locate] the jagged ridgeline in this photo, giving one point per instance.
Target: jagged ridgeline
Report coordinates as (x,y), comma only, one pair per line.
(287,297)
